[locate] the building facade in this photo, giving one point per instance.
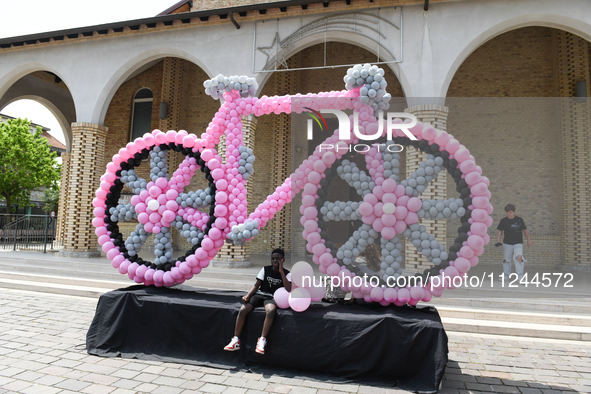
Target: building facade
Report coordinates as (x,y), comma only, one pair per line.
(509,79)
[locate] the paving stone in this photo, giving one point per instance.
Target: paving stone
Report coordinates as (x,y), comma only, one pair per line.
(168,381)
(126,384)
(17,385)
(99,379)
(353,388)
(71,384)
(213,371)
(213,378)
(317,385)
(256,385)
(212,388)
(167,390)
(191,375)
(97,389)
(49,380)
(278,388)
(146,388)
(41,389)
(122,391)
(303,390)
(125,374)
(192,385)
(234,390)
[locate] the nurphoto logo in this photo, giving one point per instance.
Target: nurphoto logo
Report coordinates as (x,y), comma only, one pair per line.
(345,129)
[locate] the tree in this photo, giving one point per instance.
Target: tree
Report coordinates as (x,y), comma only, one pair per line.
(50,197)
(26,162)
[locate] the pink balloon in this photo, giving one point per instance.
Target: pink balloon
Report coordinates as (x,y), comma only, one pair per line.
(310,225)
(389,232)
(462,264)
(390,294)
(478,228)
(155,191)
(480,202)
(388,186)
(112,253)
(414,204)
(411,218)
(281,297)
(467,251)
(400,227)
(377,294)
(452,145)
(479,189)
(207,244)
(441,138)
(479,215)
(326,259)
(310,212)
(462,154)
(475,242)
(404,295)
(428,133)
(365,208)
(299,299)
(467,166)
(473,178)
(333,269)
(417,293)
(314,178)
(401,212)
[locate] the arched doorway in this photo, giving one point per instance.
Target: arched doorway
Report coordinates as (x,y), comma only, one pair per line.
(510,102)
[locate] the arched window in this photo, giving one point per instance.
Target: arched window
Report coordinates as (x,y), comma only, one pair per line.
(141,117)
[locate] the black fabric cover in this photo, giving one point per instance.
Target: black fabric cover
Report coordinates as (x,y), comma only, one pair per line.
(406,347)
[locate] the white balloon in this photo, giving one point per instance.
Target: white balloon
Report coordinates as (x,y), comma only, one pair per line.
(154,205)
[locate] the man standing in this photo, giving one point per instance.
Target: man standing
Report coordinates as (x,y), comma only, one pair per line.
(512,226)
(269,279)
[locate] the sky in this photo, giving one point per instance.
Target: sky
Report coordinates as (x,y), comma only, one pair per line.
(22,18)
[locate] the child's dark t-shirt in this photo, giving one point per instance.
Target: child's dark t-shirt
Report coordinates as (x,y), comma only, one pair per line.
(272,280)
(512,230)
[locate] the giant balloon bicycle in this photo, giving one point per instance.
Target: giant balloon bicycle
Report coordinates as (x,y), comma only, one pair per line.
(391,210)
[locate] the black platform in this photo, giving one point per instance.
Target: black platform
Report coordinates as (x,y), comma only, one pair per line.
(404,347)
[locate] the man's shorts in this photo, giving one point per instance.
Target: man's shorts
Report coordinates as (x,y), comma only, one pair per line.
(258,300)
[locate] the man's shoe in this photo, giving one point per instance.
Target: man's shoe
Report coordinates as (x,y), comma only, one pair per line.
(261,343)
(233,345)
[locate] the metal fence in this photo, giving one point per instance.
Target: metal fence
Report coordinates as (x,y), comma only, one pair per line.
(29,232)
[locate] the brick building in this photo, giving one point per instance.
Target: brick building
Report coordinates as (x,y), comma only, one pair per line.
(501,76)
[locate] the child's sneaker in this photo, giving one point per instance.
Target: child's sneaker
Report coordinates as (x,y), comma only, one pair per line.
(261,343)
(233,345)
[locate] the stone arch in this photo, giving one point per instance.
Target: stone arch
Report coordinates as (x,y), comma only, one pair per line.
(509,114)
(31,82)
(64,121)
(560,22)
(134,66)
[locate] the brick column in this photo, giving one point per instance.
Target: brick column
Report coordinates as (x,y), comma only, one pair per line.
(86,165)
(280,227)
(436,116)
(232,256)
(63,201)
(571,58)
(174,94)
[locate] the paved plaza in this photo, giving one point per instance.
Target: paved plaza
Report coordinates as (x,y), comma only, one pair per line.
(42,351)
